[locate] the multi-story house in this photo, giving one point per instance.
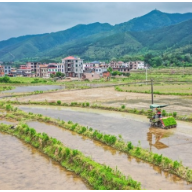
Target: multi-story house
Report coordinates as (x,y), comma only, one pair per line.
(1,71)
(61,67)
(43,71)
(140,65)
(136,64)
(100,70)
(7,69)
(87,66)
(13,72)
(34,67)
(120,66)
(73,66)
(24,70)
(52,68)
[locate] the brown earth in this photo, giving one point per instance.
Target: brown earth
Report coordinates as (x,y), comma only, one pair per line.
(108,96)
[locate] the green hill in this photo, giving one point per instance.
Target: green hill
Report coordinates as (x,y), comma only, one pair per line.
(155,32)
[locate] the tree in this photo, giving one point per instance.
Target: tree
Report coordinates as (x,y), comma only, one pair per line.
(110,69)
(59,74)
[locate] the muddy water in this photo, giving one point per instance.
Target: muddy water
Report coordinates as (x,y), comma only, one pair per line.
(150,176)
(174,143)
(22,167)
(22,89)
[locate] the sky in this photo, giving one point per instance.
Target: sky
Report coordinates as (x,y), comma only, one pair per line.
(24,18)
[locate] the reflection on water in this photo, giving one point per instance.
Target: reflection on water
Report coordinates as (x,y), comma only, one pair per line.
(150,176)
(22,167)
(155,135)
(132,127)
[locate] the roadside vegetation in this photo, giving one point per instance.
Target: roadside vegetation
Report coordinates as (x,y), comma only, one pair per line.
(99,106)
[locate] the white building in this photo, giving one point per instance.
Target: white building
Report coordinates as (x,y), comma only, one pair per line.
(140,65)
(73,66)
(61,67)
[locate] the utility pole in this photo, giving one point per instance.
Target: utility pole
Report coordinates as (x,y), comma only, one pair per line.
(151,91)
(146,74)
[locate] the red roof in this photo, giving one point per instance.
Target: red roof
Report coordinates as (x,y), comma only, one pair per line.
(69,58)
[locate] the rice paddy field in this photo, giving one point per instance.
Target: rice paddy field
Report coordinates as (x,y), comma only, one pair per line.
(162,88)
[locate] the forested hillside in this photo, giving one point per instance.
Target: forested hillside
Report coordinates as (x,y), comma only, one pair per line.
(155,33)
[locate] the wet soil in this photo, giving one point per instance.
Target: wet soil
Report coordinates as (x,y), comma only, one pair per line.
(108,96)
(22,167)
(25,89)
(174,143)
(139,170)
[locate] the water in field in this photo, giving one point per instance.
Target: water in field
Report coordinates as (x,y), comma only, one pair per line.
(24,89)
(173,143)
(22,167)
(150,176)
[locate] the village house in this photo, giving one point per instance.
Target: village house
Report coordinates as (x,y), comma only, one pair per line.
(136,65)
(13,72)
(52,68)
(119,66)
(100,70)
(7,69)
(106,74)
(34,68)
(43,71)
(90,75)
(61,67)
(24,70)
(73,66)
(87,66)
(1,71)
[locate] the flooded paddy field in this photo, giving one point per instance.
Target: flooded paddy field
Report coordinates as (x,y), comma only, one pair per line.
(137,169)
(174,143)
(109,97)
(22,167)
(25,89)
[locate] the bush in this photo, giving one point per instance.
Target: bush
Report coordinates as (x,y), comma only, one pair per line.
(123,107)
(174,114)
(164,112)
(129,146)
(58,102)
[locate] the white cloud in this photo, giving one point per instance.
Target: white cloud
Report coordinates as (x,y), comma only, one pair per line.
(18,19)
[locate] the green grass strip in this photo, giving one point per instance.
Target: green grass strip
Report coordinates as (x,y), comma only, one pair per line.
(98,176)
(164,163)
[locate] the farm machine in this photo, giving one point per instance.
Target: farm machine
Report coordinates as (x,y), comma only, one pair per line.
(157,120)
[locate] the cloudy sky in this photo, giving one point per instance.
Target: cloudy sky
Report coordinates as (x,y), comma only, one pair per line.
(17,19)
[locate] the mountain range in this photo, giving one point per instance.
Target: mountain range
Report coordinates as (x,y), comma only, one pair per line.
(155,32)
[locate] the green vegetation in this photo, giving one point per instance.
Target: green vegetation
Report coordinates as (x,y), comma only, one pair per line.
(4,88)
(111,140)
(183,89)
(98,176)
(169,121)
(105,42)
(96,106)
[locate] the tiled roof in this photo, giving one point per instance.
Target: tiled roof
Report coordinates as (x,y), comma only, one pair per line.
(70,58)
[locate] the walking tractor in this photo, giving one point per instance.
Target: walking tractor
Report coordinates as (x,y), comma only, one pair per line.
(158,120)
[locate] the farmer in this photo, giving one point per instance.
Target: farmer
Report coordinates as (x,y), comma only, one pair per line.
(158,111)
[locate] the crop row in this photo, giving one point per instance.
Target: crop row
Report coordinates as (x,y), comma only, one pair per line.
(164,163)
